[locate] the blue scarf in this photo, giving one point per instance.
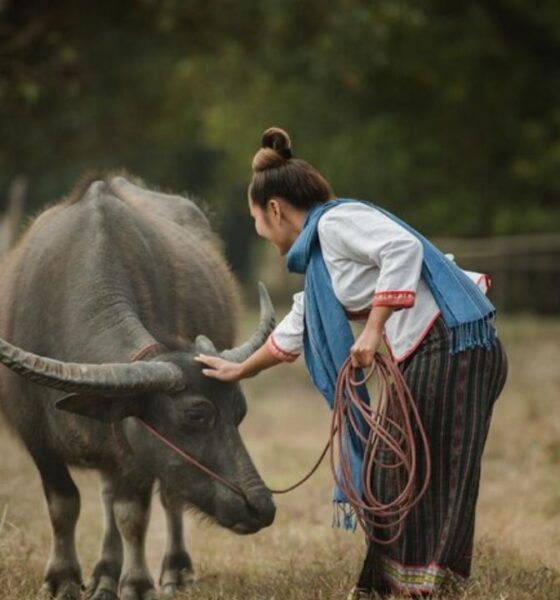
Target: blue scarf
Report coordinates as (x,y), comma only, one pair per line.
(327,337)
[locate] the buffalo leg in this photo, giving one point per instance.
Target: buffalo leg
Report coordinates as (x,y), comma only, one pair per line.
(105,578)
(63,576)
(131,506)
(176,570)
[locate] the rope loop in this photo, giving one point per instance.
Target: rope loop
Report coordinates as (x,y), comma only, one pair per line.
(395,437)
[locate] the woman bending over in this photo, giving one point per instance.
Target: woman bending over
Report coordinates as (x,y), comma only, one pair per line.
(363,263)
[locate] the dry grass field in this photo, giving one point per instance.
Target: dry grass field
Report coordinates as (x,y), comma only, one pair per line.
(300,556)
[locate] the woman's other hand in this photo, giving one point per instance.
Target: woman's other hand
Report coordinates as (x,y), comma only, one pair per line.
(221,369)
(368,342)
(365,347)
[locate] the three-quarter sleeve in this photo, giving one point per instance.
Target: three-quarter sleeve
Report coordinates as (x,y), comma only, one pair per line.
(286,341)
(400,264)
(367,236)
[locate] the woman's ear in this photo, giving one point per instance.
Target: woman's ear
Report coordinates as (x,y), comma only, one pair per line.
(275,208)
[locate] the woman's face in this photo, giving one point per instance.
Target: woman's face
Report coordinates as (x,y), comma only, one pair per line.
(272,225)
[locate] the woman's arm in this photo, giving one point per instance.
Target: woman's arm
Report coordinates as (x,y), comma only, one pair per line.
(283,345)
(367,236)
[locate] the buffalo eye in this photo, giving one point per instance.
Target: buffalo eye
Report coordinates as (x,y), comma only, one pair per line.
(200,416)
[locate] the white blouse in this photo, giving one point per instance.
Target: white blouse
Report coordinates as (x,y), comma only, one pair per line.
(372,261)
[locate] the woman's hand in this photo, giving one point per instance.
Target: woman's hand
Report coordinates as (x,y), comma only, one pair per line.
(365,347)
(224,370)
(221,369)
(368,342)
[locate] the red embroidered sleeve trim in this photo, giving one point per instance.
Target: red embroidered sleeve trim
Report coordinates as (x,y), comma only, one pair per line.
(401,299)
(486,279)
(278,352)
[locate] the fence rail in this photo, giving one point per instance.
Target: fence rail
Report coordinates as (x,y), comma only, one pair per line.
(525,269)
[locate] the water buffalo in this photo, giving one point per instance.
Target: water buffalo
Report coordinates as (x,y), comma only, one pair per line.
(103,305)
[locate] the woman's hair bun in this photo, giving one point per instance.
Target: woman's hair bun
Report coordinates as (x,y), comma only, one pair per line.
(275,149)
(276,138)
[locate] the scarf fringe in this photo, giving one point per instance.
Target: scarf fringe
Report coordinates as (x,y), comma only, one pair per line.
(344,516)
(481,332)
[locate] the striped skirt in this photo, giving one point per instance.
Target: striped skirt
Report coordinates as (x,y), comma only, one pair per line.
(455,395)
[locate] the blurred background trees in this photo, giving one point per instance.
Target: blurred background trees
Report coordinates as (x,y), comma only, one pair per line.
(445,112)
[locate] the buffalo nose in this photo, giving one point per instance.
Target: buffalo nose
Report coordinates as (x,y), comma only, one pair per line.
(261,507)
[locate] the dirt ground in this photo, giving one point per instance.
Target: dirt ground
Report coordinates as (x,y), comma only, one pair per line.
(300,556)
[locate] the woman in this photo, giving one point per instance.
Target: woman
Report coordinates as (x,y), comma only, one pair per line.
(364,263)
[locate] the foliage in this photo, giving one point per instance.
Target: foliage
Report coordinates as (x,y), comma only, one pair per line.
(445,112)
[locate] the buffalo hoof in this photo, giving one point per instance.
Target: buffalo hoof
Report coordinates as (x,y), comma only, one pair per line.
(101,589)
(102,594)
(177,575)
(66,590)
(183,581)
(104,581)
(137,589)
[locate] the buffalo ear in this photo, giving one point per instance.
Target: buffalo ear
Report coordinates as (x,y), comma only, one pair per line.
(102,408)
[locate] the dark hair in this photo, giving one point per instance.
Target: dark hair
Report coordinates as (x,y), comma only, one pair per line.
(277,173)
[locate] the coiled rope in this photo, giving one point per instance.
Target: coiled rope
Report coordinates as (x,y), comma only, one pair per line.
(390,451)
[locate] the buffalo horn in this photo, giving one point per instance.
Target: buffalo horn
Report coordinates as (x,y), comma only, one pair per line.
(125,378)
(204,345)
(265,328)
